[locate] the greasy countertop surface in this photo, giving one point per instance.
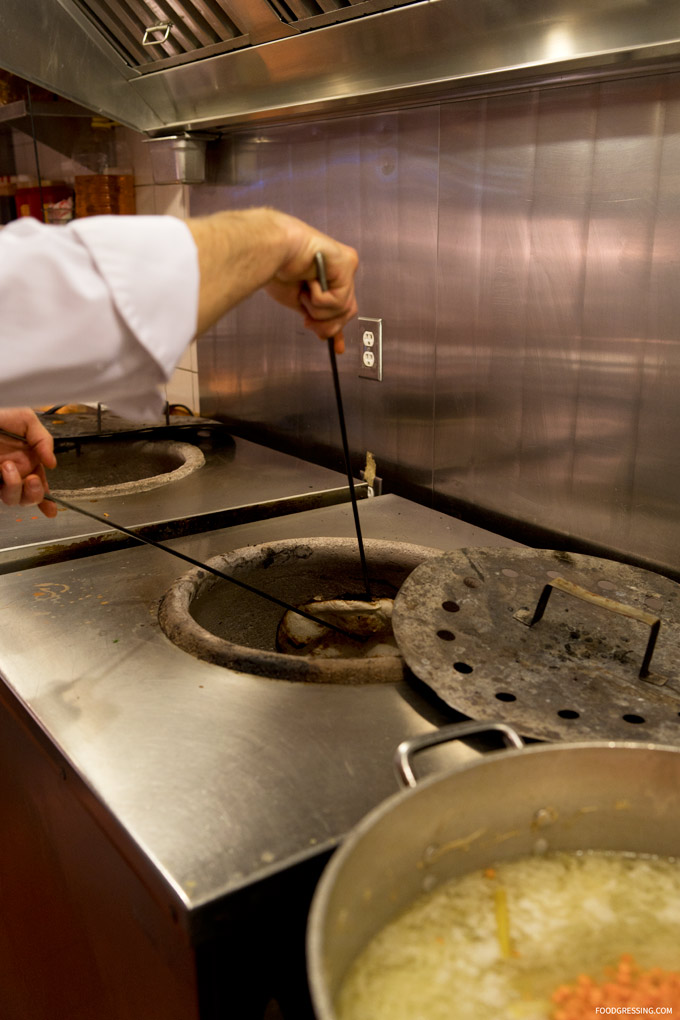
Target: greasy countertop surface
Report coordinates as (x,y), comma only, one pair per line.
(239,481)
(216,778)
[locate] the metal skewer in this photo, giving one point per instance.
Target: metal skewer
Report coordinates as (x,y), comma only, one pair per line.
(181,556)
(14,435)
(196,563)
(323,282)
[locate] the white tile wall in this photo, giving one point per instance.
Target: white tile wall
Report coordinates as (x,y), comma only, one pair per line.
(164,200)
(189,360)
(172,199)
(54,166)
(145,199)
(183,389)
(139,154)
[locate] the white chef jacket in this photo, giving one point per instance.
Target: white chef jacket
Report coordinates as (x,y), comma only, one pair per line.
(98,310)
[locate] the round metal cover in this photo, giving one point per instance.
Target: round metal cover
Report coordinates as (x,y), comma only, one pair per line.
(463,622)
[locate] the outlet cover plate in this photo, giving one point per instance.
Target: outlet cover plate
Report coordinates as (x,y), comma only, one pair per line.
(370,337)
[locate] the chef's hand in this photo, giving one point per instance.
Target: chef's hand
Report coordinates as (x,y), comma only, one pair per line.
(243,250)
(22,466)
(295,284)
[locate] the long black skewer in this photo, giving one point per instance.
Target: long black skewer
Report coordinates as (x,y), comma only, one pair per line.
(196,563)
(180,556)
(323,282)
(14,435)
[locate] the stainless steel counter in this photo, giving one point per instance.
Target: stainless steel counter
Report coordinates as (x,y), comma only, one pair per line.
(217,778)
(239,481)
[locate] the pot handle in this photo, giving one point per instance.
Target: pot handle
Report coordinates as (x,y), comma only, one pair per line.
(408,748)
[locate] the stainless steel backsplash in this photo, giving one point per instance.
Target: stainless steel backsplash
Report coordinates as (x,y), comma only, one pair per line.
(523,252)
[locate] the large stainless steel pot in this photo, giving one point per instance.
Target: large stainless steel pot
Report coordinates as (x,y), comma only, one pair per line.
(604,796)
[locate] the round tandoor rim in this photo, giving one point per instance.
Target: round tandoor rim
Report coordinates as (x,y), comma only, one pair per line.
(183,630)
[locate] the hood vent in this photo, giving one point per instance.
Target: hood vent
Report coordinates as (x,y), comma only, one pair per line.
(167,67)
(150,35)
(153,34)
(307,14)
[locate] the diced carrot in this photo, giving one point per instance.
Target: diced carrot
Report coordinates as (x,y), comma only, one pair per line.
(626,984)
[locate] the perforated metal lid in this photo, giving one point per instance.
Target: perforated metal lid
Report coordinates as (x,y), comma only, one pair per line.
(587,666)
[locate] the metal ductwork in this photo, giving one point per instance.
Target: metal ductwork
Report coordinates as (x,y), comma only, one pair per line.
(151,35)
(163,66)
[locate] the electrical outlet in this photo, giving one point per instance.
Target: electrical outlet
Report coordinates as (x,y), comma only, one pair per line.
(370,331)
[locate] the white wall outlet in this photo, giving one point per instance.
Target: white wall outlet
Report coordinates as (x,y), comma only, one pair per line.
(370,366)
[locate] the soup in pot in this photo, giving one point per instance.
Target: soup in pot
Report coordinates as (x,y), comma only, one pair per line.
(565,936)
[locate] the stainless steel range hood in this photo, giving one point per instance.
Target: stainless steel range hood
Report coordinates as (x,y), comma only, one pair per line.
(167,65)
(152,35)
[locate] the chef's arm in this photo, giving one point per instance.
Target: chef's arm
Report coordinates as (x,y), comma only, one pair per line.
(240,252)
(22,465)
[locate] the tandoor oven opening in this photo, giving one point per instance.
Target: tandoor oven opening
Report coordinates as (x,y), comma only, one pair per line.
(224,624)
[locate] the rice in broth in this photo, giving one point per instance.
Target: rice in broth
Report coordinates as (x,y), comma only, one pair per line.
(496,943)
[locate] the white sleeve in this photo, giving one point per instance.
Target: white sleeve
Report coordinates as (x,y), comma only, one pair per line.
(99,310)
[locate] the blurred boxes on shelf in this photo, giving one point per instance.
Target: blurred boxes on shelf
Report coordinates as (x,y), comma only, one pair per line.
(56,197)
(105,194)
